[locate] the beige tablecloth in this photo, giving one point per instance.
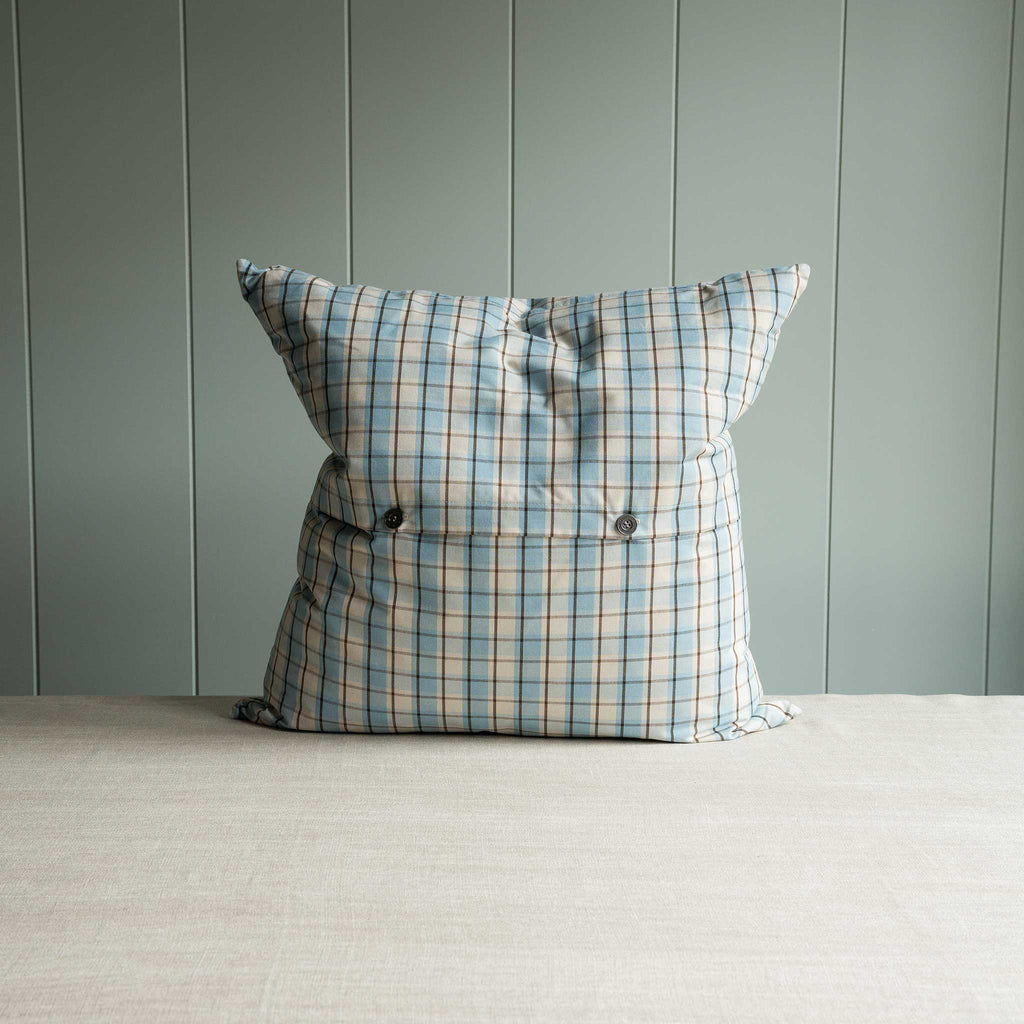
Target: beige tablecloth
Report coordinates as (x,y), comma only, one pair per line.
(162,862)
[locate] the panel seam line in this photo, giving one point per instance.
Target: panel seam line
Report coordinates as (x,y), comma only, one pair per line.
(675,149)
(189,345)
(27,334)
(511,143)
(348,141)
(998,346)
(830,467)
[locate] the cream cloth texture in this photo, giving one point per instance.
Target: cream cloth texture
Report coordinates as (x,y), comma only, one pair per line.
(160,862)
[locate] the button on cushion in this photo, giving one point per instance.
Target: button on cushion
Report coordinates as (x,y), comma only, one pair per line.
(625,524)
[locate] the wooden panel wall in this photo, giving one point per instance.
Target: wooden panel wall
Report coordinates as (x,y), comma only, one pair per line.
(157,464)
(430,160)
(756,187)
(924,128)
(592,157)
(108,316)
(268,181)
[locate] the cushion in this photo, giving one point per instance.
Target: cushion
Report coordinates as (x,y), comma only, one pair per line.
(529,520)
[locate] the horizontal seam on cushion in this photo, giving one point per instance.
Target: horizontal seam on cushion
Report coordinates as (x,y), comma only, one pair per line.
(537,508)
(539,535)
(718,522)
(405,529)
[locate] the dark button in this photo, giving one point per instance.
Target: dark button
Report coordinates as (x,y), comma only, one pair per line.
(625,524)
(393,518)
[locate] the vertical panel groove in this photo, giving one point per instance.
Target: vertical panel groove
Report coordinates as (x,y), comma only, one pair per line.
(23,209)
(189,345)
(995,376)
(675,148)
(348,141)
(835,307)
(511,142)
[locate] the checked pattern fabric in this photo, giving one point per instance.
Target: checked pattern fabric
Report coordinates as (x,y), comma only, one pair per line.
(529,520)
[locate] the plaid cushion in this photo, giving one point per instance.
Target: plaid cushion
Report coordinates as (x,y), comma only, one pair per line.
(529,520)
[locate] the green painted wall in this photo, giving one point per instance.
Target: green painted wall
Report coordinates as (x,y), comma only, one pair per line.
(157,465)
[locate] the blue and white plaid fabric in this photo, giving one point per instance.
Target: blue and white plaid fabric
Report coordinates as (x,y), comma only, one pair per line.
(529,520)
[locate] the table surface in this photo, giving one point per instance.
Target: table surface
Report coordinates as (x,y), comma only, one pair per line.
(160,861)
